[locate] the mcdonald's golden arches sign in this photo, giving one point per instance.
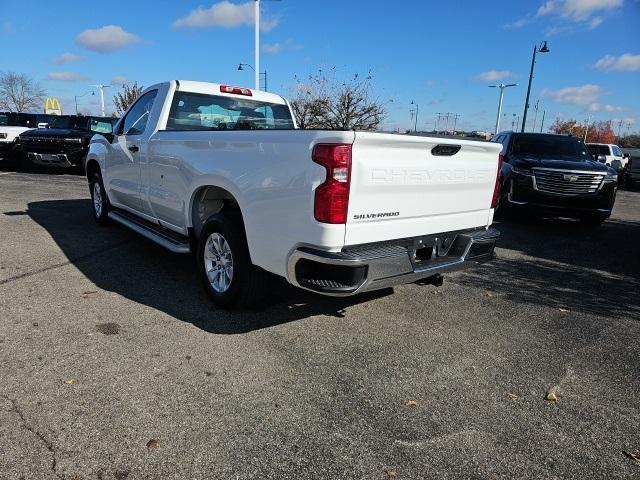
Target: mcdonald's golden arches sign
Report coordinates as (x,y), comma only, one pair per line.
(52,106)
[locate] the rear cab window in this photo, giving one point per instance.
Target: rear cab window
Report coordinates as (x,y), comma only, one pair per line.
(198,111)
(599,149)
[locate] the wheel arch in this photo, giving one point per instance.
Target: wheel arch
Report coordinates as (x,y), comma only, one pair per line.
(209,200)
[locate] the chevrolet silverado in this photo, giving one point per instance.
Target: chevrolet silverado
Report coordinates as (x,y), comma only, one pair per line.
(223,172)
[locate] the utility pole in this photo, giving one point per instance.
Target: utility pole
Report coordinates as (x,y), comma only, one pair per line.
(535,117)
(620,127)
(455,121)
(542,123)
(415,125)
(101,87)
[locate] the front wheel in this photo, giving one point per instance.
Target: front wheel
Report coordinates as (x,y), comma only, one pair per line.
(99,201)
(224,264)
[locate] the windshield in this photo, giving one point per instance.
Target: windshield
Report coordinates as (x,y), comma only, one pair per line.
(599,149)
(195,111)
(69,122)
(542,145)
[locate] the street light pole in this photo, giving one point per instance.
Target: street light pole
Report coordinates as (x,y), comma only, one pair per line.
(542,123)
(101,87)
(241,67)
(542,49)
(257,45)
(501,86)
(76,97)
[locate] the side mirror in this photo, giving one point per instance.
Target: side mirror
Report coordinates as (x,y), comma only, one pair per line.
(626,155)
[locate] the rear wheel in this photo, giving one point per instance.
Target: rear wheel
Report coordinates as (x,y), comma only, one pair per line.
(224,264)
(99,201)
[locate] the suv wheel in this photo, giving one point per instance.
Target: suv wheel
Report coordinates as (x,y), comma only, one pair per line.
(99,201)
(224,264)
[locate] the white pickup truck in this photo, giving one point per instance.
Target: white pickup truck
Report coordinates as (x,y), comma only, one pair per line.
(223,172)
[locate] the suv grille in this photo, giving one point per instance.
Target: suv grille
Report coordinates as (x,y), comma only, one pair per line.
(560,182)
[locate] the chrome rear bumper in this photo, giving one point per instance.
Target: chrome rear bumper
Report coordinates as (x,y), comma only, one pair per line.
(381,265)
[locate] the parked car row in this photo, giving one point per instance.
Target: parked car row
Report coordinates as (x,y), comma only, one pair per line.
(56,141)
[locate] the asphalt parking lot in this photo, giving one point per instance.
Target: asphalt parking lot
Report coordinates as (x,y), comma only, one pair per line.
(114,364)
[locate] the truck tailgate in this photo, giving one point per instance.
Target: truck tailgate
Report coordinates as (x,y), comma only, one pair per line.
(400,188)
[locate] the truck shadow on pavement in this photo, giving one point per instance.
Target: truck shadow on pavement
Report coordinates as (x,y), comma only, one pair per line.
(566,265)
(120,261)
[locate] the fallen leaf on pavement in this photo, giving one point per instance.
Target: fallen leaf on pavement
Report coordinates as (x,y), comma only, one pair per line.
(87,293)
(410,403)
(632,455)
(488,294)
(391,473)
(564,309)
(153,443)
(69,381)
(551,396)
(435,292)
(513,396)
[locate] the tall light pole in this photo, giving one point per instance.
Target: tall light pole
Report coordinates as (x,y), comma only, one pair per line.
(586,129)
(542,49)
(101,87)
(542,123)
(241,67)
(501,86)
(76,97)
(257,45)
(415,125)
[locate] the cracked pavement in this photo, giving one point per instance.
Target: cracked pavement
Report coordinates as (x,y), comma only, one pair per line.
(108,342)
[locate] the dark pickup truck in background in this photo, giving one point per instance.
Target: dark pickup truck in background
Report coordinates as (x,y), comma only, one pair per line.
(64,144)
(554,175)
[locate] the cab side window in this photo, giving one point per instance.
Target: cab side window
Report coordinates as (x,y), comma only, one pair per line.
(136,120)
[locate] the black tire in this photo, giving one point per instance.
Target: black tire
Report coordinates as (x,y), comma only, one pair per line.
(246,286)
(100,215)
(593,222)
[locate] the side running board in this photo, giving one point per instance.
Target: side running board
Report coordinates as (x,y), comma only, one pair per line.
(169,240)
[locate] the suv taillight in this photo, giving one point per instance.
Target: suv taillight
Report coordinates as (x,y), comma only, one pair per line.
(496,188)
(332,196)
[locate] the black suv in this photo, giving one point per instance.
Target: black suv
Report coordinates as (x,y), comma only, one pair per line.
(65,143)
(554,175)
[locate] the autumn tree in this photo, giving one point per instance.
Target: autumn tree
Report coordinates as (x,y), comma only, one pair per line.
(126,96)
(598,132)
(322,101)
(19,93)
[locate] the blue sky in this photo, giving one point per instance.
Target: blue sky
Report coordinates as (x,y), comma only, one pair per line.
(441,55)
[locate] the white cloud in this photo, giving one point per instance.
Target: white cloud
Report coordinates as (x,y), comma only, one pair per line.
(224,14)
(626,63)
(577,10)
(272,48)
(582,13)
(289,45)
(119,80)
(495,75)
(580,95)
(67,58)
(106,39)
(598,107)
(67,77)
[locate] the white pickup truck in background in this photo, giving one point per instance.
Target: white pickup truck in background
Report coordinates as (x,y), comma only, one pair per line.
(223,172)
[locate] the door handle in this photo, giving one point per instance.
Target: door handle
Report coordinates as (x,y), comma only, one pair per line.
(133,148)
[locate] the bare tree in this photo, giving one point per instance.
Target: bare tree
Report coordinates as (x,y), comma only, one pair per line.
(323,102)
(19,93)
(126,96)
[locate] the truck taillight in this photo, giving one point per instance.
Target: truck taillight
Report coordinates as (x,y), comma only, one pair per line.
(332,196)
(235,90)
(496,188)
